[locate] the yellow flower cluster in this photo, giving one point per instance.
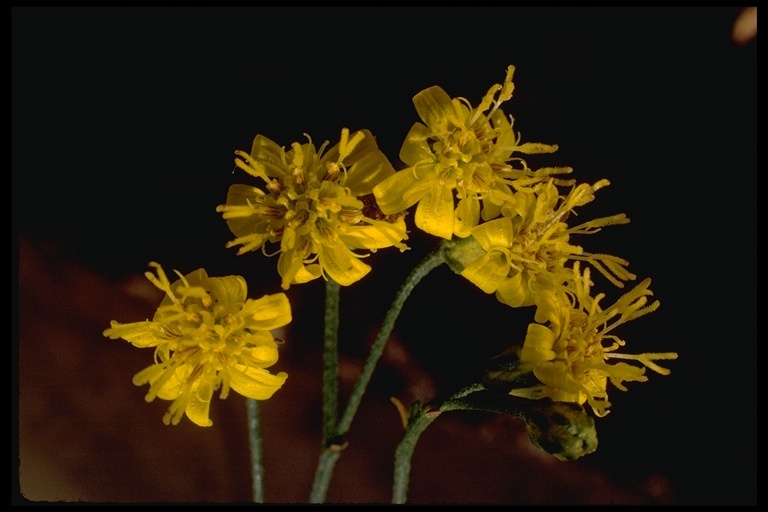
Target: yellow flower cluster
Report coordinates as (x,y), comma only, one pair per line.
(317,205)
(527,252)
(468,152)
(511,237)
(207,335)
(571,344)
(505,228)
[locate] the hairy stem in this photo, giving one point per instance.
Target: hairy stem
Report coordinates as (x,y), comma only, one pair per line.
(254,438)
(334,441)
(331,360)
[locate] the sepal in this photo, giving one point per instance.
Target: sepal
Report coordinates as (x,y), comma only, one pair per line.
(506,372)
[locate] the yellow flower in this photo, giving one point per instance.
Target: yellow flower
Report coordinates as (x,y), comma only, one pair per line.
(570,356)
(207,335)
(316,204)
(463,151)
(526,250)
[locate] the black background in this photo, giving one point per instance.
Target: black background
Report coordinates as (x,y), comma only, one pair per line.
(124,123)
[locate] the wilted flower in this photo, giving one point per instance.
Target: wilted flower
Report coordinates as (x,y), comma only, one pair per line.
(571,355)
(526,250)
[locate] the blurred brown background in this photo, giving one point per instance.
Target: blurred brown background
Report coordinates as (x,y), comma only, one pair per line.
(85,433)
(123,126)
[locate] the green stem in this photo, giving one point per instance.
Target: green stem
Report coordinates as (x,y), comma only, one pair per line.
(480,400)
(404,454)
(325,464)
(330,391)
(254,437)
(432,261)
(455,399)
(334,441)
(331,360)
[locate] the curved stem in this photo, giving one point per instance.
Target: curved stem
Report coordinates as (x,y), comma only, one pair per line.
(404,454)
(331,451)
(424,417)
(254,438)
(432,261)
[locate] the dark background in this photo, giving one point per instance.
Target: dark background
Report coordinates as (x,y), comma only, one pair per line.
(124,123)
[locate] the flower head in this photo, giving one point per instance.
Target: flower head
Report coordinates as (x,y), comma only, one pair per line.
(317,205)
(207,335)
(526,249)
(468,152)
(571,355)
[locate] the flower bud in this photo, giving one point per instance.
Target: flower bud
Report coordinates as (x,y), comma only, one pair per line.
(563,429)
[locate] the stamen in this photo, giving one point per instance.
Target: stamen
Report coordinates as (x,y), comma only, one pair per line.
(298,175)
(332,171)
(275,187)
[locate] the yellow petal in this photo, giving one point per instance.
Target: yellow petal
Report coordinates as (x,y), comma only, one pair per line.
(293,271)
(270,154)
(403,189)
(342,265)
(268,312)
(229,291)
(538,345)
(416,148)
(487,272)
(172,388)
(560,395)
(307,273)
(515,292)
(490,210)
(265,355)
(149,374)
(557,375)
(367,172)
(506,140)
(376,235)
(243,195)
(433,105)
(199,403)
(139,334)
(467,216)
(548,308)
(254,382)
(494,234)
(435,214)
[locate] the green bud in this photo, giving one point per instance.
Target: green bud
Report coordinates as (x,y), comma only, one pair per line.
(563,429)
